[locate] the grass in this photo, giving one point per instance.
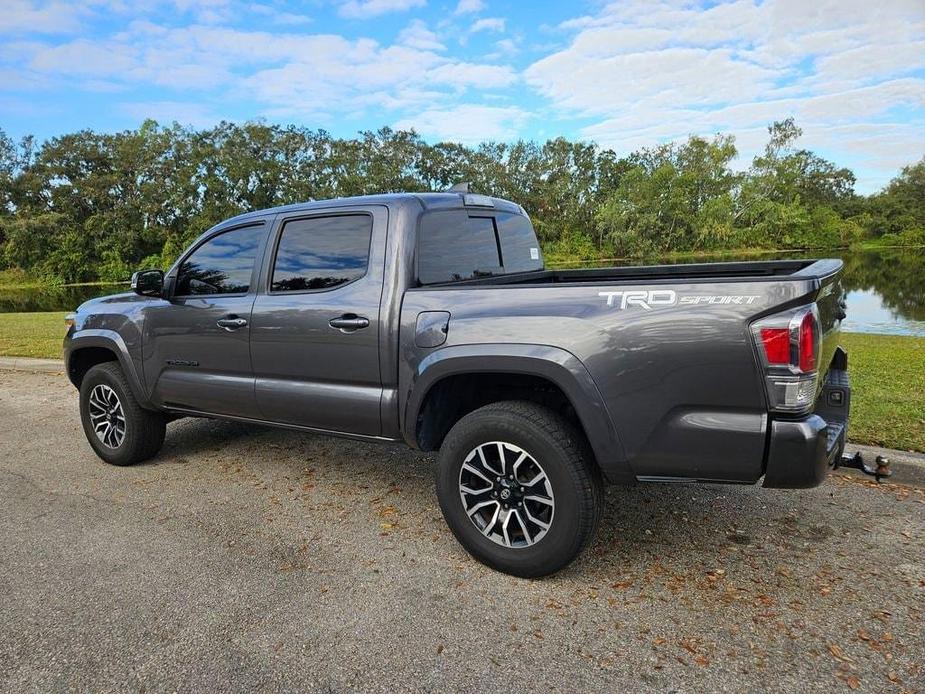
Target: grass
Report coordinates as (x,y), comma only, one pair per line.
(32,334)
(887,376)
(888,390)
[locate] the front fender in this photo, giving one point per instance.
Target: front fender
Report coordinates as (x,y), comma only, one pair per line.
(111,340)
(554,364)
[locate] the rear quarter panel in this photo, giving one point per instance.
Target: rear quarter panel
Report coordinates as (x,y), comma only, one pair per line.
(679,382)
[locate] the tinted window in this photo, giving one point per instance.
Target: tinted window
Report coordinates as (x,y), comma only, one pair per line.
(322,252)
(454,246)
(519,250)
(222,265)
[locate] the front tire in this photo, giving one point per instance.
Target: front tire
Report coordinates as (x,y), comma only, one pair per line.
(518,487)
(118,429)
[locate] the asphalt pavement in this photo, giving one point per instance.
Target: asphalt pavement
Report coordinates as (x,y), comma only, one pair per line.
(252,558)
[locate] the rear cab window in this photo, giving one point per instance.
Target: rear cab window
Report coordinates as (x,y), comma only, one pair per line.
(456,245)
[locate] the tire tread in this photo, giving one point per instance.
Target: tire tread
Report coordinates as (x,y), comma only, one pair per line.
(584,472)
(146,428)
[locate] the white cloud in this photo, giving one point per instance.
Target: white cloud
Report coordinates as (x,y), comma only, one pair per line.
(282,75)
(21,16)
(651,71)
(472,75)
(508,46)
(469,7)
(279,16)
(468,123)
(488,24)
(417,35)
(367,9)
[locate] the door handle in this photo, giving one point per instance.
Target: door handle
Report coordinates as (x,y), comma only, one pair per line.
(349,322)
(231,323)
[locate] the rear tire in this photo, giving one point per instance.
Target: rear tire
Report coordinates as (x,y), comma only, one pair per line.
(118,429)
(537,516)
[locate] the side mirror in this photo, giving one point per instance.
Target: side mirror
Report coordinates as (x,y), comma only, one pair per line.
(148,282)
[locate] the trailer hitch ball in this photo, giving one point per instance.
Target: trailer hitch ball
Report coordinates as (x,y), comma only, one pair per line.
(883,467)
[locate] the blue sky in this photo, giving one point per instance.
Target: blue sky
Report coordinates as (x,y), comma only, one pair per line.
(622,74)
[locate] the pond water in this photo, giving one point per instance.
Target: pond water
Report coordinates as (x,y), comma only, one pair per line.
(886,289)
(65,298)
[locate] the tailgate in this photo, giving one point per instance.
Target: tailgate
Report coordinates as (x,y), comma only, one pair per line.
(830,300)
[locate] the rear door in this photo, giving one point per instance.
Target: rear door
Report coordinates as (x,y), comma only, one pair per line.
(315,330)
(196,343)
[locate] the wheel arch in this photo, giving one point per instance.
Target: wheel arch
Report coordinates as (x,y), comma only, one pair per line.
(97,346)
(453,381)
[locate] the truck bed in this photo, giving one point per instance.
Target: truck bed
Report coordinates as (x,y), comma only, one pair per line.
(719,272)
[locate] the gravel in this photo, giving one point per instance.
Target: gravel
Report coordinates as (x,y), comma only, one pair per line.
(245,557)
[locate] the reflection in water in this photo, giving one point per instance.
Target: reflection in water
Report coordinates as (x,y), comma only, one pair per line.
(54,298)
(886,288)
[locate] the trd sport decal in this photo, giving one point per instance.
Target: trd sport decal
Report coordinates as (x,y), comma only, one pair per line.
(649,299)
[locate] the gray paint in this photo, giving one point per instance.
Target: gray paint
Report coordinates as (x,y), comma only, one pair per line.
(431,328)
(672,391)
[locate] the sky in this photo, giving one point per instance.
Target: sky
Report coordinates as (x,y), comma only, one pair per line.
(623,74)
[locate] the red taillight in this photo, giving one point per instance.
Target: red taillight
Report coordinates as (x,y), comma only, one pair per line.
(776,342)
(808,343)
(789,345)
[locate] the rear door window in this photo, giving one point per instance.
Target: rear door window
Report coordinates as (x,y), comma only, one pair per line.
(322,252)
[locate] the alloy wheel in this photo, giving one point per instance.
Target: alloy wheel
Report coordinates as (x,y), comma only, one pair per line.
(506,494)
(107,416)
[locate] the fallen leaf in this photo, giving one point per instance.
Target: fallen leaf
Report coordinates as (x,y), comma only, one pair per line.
(850,680)
(838,653)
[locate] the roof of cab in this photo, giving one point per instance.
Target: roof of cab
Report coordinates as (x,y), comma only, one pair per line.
(427,201)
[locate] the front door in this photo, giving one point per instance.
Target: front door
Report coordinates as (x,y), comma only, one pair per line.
(315,331)
(196,344)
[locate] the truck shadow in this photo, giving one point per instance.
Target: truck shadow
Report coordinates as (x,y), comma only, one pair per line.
(695,528)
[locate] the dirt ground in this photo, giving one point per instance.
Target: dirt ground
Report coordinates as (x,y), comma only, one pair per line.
(245,557)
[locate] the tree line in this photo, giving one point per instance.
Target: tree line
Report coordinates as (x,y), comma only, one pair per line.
(89,205)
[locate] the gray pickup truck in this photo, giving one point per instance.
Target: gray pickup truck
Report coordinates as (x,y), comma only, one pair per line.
(431,319)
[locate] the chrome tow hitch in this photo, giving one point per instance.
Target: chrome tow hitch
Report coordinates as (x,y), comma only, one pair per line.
(856,461)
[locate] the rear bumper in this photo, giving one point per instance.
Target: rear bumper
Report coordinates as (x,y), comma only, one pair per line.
(800,452)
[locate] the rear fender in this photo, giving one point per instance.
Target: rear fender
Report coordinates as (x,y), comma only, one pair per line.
(558,366)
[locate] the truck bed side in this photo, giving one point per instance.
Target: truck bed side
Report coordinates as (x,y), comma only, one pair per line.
(672,359)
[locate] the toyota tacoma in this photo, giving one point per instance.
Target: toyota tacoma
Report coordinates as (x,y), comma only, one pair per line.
(431,319)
